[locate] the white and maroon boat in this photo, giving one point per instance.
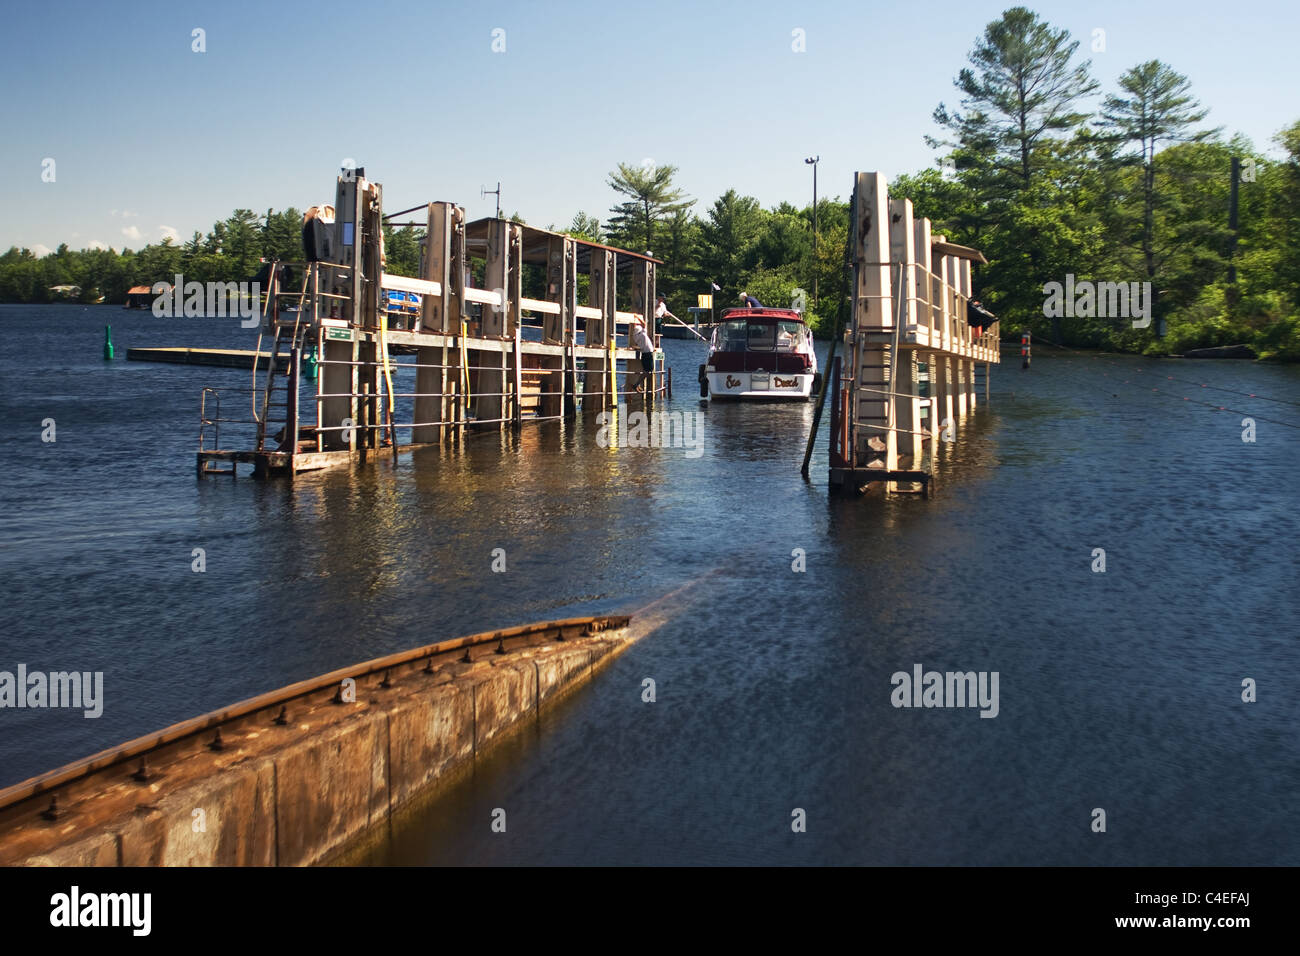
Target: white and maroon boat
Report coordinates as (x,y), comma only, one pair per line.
(759,353)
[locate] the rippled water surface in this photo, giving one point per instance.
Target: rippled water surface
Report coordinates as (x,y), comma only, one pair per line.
(1119,690)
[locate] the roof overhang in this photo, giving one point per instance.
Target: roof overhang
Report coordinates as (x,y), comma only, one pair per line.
(961,252)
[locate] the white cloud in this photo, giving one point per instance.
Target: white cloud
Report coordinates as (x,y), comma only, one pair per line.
(40,251)
(169,232)
(96,244)
(132,233)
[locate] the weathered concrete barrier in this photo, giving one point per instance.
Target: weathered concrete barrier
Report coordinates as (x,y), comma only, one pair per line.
(296,776)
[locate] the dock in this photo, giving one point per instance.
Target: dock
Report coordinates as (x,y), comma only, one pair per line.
(225,358)
(908,330)
(462,319)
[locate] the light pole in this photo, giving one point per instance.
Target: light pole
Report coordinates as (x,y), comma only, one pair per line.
(812,161)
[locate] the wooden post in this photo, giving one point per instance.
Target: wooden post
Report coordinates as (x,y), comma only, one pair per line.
(489,402)
(598,336)
(514,319)
(570,304)
(924,280)
(941,403)
(440,313)
(656,376)
(641,281)
(905,397)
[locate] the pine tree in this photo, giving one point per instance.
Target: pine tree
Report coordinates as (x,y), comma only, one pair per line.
(652,199)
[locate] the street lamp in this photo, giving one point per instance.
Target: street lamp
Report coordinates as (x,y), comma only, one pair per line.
(812,161)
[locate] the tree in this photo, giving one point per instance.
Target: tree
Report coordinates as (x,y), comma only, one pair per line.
(1156,109)
(652,198)
(243,241)
(402,250)
(728,235)
(585,227)
(1020,95)
(1022,90)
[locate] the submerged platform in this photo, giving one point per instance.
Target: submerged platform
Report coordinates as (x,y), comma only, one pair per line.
(226,358)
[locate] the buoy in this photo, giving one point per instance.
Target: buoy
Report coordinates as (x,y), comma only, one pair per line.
(311,365)
(1024,349)
(108,343)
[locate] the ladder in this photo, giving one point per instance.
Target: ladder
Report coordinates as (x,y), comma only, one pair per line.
(280,394)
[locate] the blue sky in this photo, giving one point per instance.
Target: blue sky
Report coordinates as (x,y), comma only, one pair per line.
(150,137)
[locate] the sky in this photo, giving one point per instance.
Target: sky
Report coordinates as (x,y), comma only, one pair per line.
(438,100)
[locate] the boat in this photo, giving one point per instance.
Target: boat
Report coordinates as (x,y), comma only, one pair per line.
(760,353)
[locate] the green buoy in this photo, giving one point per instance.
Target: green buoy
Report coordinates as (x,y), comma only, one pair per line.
(108,343)
(311,365)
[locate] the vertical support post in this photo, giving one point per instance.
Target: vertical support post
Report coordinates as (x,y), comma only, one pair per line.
(488,403)
(968,376)
(906,399)
(941,403)
(924,285)
(963,387)
(440,313)
(290,442)
(570,305)
(600,296)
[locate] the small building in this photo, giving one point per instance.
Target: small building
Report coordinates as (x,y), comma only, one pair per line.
(141,296)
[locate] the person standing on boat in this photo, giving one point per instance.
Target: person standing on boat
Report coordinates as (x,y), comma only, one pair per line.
(640,340)
(750,301)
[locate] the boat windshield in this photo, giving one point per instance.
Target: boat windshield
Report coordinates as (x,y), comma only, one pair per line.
(739,335)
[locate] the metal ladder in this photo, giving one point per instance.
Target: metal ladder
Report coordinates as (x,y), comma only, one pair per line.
(286,349)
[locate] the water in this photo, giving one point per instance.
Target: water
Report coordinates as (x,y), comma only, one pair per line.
(1119,690)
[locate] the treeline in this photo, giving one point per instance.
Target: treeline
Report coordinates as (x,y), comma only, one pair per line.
(231,251)
(1051,177)
(1043,171)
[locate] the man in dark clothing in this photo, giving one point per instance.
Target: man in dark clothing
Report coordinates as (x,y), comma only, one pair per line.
(976,314)
(750,301)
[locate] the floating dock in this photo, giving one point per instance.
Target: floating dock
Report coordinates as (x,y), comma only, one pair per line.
(226,358)
(463,320)
(909,303)
(299,775)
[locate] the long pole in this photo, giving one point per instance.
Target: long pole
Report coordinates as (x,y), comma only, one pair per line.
(815,235)
(840,317)
(813,161)
(688,328)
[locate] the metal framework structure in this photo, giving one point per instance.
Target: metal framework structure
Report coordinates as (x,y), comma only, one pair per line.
(405,362)
(908,310)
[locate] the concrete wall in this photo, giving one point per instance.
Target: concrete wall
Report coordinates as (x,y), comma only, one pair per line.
(267,800)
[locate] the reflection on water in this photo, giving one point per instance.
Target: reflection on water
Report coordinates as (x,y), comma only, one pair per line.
(1118,690)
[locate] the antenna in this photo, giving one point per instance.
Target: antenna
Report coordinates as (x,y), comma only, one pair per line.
(493,192)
